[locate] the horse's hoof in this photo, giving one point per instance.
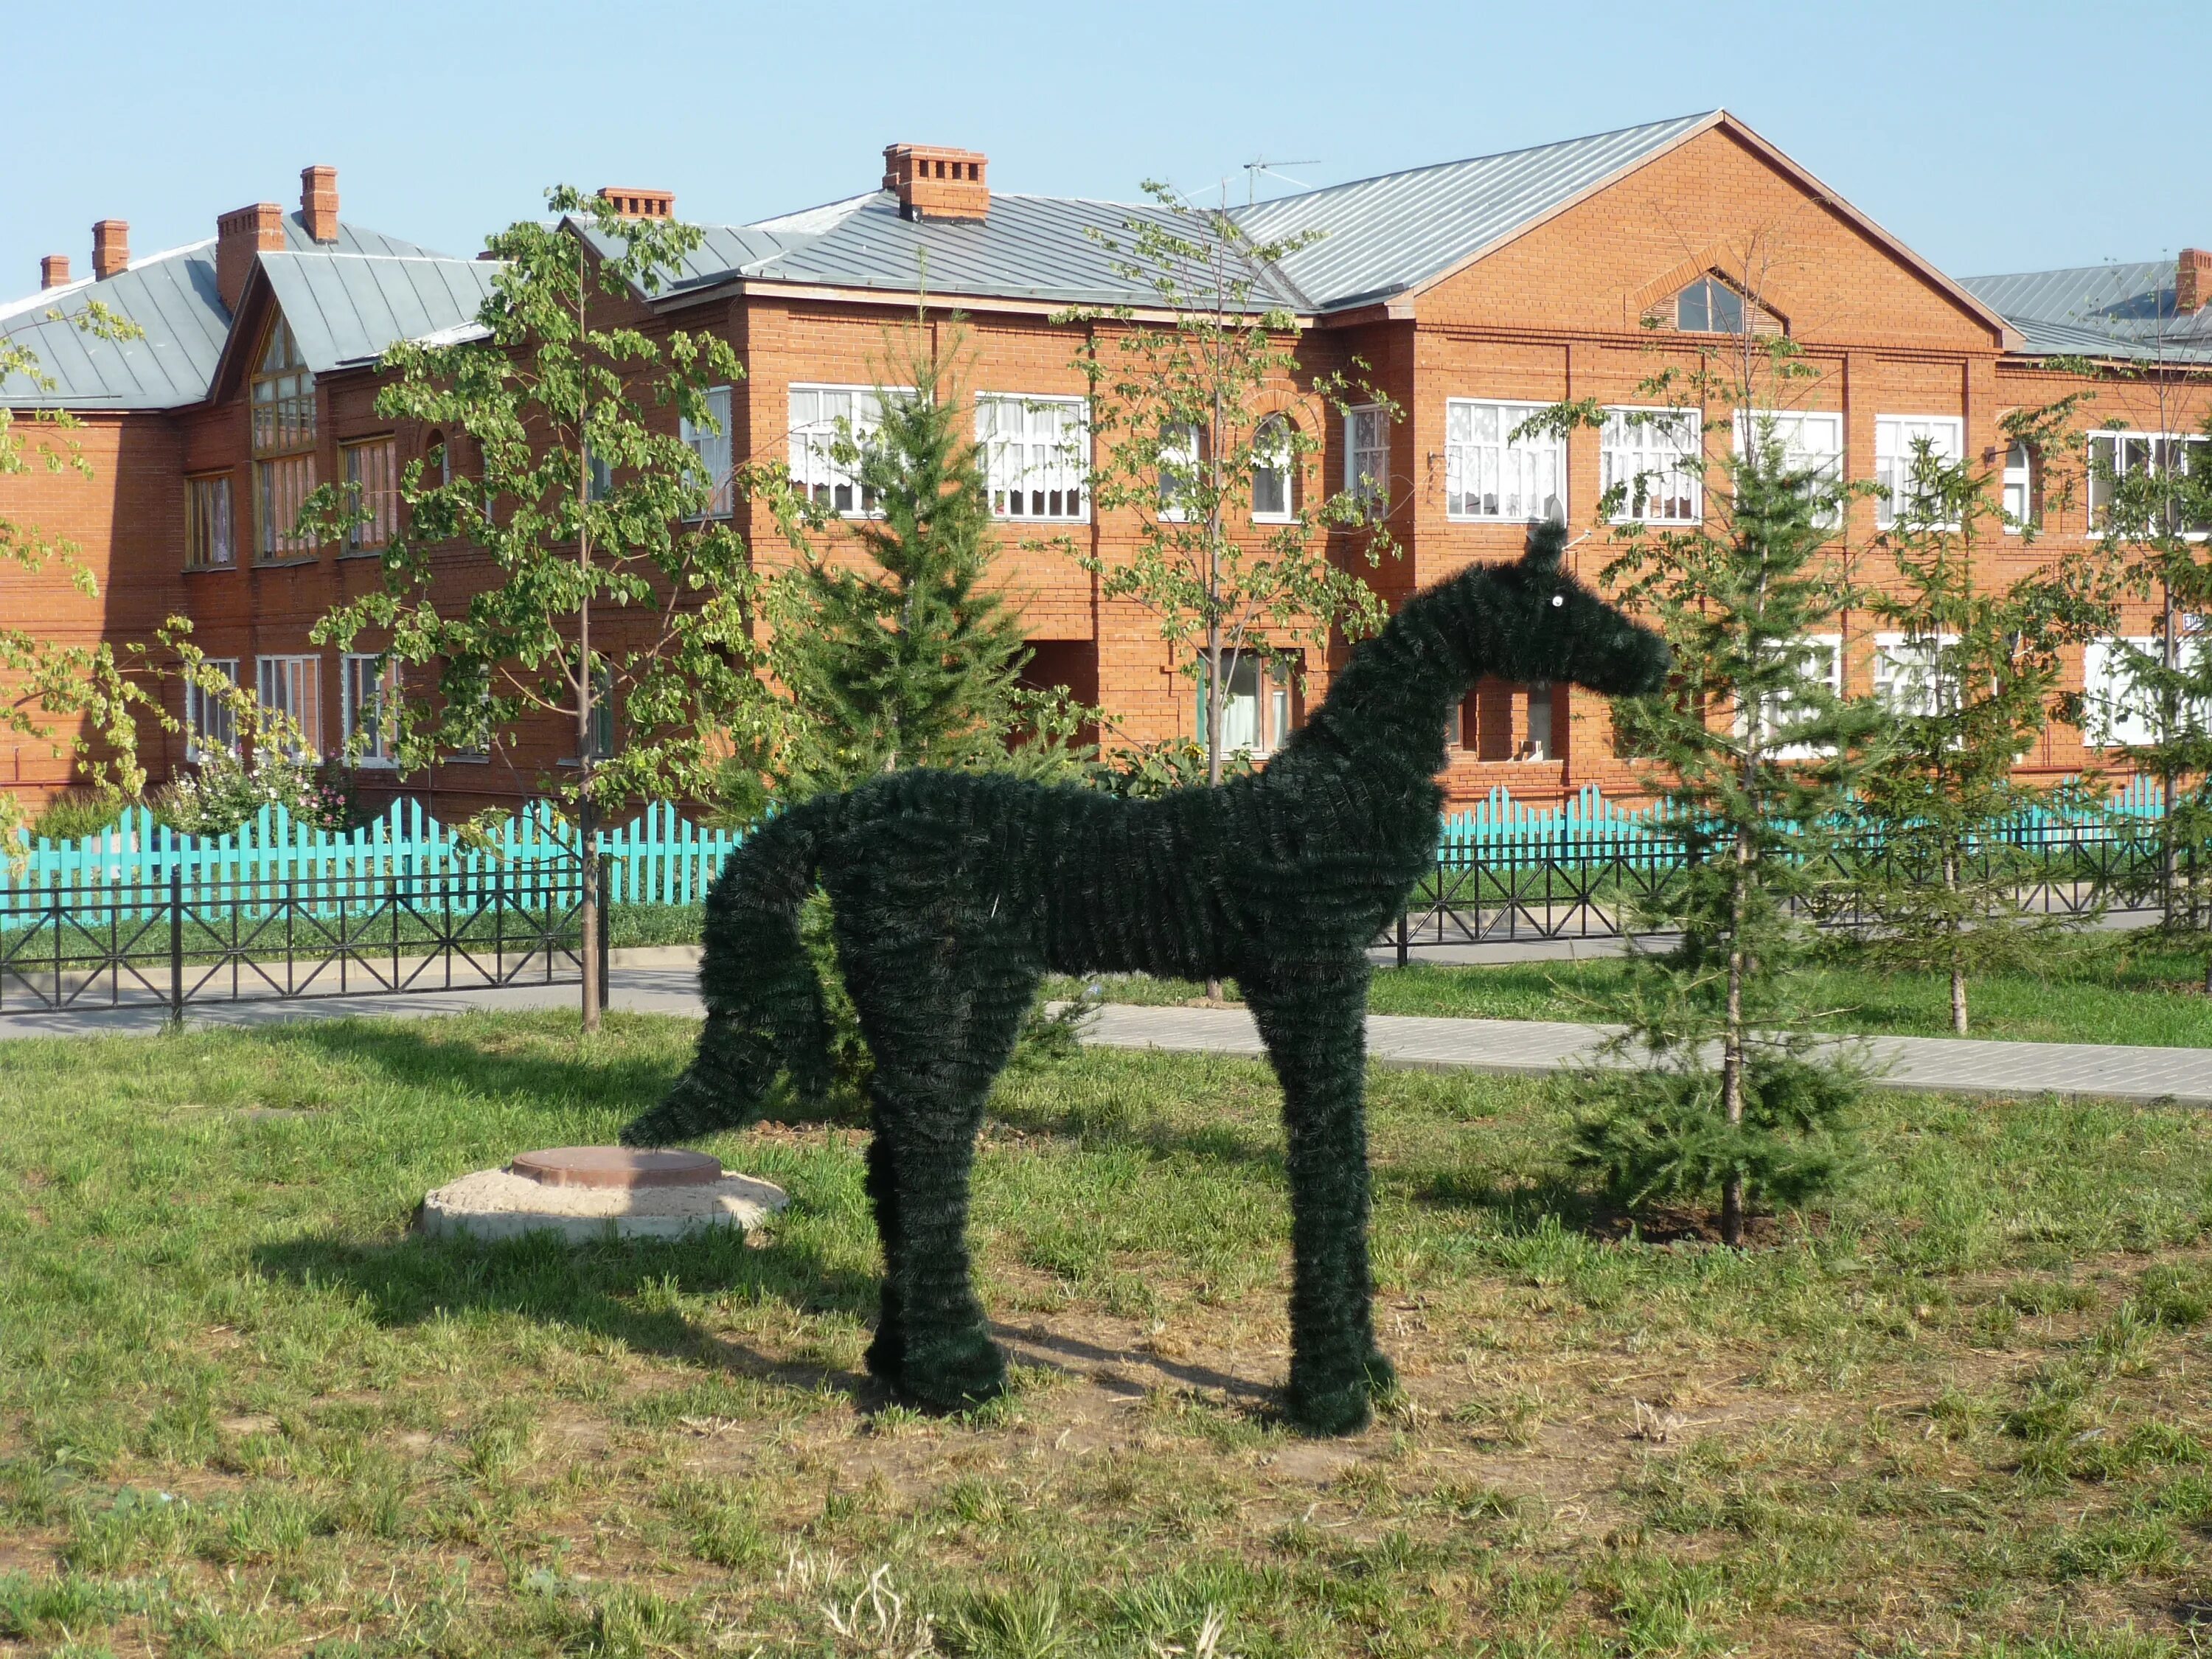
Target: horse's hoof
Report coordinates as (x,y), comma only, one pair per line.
(1343,1409)
(954,1372)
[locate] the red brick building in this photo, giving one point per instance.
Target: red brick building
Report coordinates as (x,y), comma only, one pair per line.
(1474,291)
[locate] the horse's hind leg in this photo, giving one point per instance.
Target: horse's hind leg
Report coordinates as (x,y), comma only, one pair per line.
(941,1024)
(1313,1017)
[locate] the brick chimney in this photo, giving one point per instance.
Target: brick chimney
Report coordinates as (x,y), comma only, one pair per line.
(318,202)
(635,203)
(935,183)
(2192,280)
(110,246)
(53,271)
(241,237)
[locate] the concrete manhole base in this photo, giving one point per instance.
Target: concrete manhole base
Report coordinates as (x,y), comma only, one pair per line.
(584,1193)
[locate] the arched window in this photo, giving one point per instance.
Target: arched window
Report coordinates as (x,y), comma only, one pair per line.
(1709,306)
(1273,459)
(1182,449)
(438,459)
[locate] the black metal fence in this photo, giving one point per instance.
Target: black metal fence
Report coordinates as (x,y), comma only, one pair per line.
(1594,889)
(191,939)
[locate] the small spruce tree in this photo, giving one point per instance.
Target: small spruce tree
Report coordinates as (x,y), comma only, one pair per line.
(1724,1090)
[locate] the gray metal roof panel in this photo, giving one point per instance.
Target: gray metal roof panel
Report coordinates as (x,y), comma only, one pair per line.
(2124,310)
(172,298)
(346,308)
(1384,235)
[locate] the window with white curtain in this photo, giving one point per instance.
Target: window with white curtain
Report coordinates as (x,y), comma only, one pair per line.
(1648,455)
(1898,441)
(2116,455)
(1038,453)
(1367,454)
(2119,712)
(1255,706)
(211,722)
(1910,675)
(294,686)
(1180,443)
(2021,508)
(372,467)
(207,544)
(368,686)
(1489,473)
(1811,441)
(1819,662)
(828,425)
(709,441)
(1273,456)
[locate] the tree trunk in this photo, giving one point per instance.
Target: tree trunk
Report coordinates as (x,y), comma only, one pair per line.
(1957,969)
(1732,1043)
(589,915)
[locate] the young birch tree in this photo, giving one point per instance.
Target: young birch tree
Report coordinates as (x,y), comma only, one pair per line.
(1970,681)
(1232,556)
(618,595)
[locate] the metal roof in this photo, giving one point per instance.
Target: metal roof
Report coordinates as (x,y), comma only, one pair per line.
(1380,236)
(2124,310)
(172,296)
(345,308)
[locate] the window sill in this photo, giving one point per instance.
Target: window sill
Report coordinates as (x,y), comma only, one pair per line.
(362,553)
(1496,518)
(292,563)
(1277,519)
(996,517)
(209,569)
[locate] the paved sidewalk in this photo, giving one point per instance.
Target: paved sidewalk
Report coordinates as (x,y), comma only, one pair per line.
(665,981)
(1528,1046)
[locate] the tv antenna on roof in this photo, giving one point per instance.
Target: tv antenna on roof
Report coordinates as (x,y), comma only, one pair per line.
(1260,164)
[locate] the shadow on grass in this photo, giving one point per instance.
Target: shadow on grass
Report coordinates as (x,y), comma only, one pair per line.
(615,1290)
(422,1053)
(1521,1208)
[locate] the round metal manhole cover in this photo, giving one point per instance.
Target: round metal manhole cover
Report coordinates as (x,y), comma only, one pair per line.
(618,1166)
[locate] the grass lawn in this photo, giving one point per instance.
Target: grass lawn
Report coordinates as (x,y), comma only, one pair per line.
(2098,987)
(242,1412)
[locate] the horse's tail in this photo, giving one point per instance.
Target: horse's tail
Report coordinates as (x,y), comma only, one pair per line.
(764,1011)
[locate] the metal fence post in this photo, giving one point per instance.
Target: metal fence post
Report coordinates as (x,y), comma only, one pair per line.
(605,955)
(176,945)
(1403,941)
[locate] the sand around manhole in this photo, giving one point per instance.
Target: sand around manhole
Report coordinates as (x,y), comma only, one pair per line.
(500,1203)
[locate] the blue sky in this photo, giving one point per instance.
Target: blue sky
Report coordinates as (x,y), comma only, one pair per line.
(1991,138)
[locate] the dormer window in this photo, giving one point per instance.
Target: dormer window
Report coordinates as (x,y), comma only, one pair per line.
(1709,306)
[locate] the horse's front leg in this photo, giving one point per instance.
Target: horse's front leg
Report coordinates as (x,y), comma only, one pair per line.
(1313,1018)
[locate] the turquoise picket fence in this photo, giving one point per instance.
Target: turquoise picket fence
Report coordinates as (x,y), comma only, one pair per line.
(663,857)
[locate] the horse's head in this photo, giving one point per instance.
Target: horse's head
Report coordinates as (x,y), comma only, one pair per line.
(1532,622)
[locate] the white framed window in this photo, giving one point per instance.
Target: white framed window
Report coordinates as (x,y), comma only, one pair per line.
(1037,452)
(1367,454)
(294,686)
(1819,662)
(2116,712)
(372,467)
(2020,504)
(1274,458)
(1811,441)
(207,544)
(1180,444)
(367,685)
(1255,706)
(709,441)
(1910,674)
(210,723)
(1897,442)
(1491,474)
(824,419)
(2115,455)
(1648,455)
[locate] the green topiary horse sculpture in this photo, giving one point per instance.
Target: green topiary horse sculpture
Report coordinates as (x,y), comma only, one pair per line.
(954,894)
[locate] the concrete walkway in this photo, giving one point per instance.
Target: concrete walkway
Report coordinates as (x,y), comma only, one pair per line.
(1528,1046)
(665,981)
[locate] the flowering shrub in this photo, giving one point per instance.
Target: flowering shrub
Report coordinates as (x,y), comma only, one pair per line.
(228,791)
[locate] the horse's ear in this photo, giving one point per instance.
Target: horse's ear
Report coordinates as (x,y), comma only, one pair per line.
(1548,545)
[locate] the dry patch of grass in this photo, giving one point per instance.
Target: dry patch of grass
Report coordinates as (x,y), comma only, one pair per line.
(1960,1411)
